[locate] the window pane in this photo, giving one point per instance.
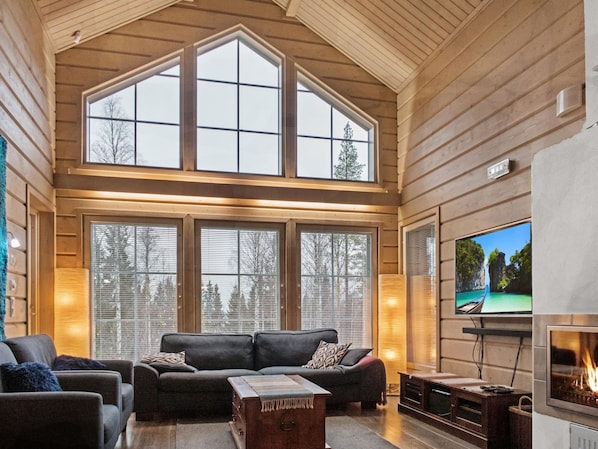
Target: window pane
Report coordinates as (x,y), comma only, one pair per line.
(111,142)
(158,145)
(336,284)
(259,153)
(215,243)
(141,139)
(118,105)
(216,105)
(420,270)
(313,158)
(134,288)
(255,69)
(340,122)
(350,160)
(249,299)
(158,100)
(313,115)
(259,109)
(219,63)
(216,150)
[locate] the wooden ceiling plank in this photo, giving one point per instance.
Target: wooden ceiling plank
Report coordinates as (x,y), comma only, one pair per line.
(419,20)
(449,8)
(399,20)
(405,43)
(103,21)
(110,9)
(465,6)
(432,18)
(390,68)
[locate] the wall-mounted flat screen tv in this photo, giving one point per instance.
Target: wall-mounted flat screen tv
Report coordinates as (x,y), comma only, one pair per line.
(493,272)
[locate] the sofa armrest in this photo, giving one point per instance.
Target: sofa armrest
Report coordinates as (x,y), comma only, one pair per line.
(124,367)
(373,378)
(52,415)
(146,391)
(105,383)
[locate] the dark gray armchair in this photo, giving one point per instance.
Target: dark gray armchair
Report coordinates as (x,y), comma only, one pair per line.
(85,415)
(40,348)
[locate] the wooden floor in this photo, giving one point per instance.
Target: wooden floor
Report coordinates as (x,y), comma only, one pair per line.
(401,430)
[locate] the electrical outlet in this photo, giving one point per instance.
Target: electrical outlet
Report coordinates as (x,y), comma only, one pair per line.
(582,437)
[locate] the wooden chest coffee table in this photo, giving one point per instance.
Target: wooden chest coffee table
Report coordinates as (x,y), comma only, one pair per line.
(294,428)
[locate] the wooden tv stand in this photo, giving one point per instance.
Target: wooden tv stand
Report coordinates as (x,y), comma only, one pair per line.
(459,406)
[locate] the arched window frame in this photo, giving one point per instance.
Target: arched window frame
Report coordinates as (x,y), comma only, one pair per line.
(289,75)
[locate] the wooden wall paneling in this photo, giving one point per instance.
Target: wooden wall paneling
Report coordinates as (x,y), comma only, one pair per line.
(26,120)
(442,184)
(530,38)
(469,107)
(501,115)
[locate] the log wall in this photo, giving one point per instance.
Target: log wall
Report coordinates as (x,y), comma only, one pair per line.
(486,96)
(27,123)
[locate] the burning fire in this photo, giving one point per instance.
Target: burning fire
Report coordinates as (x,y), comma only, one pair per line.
(591,372)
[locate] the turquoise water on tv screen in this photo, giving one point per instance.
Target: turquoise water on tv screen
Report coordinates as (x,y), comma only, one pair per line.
(496,302)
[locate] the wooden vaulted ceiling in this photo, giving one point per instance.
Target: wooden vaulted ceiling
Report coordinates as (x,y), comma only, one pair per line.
(392,39)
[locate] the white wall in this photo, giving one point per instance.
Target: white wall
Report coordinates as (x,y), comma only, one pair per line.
(565,232)
(591,31)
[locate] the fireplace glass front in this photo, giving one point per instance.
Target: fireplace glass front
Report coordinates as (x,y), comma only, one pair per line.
(572,380)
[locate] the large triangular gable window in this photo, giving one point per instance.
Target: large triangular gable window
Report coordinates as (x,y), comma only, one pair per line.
(137,123)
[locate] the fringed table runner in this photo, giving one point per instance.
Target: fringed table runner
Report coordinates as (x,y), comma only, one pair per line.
(279,392)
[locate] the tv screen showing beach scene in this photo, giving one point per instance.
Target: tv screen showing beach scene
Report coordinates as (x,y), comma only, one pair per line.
(493,272)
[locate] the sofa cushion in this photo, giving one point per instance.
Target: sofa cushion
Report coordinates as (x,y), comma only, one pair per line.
(288,348)
(28,377)
(172,367)
(204,380)
(322,377)
(211,351)
(33,348)
(328,355)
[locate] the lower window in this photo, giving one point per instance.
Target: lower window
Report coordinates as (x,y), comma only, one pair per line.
(134,287)
(240,277)
(336,283)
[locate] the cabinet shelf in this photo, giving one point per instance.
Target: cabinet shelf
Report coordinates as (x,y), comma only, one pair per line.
(458,406)
(494,331)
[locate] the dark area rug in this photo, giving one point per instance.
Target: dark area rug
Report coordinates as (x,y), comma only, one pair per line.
(342,432)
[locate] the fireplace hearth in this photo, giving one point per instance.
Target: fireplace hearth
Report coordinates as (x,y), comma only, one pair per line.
(572,375)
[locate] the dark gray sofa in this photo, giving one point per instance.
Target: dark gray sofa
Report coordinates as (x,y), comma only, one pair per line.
(40,348)
(215,357)
(85,415)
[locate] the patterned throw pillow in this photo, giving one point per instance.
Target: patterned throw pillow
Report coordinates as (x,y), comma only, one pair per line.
(172,358)
(328,355)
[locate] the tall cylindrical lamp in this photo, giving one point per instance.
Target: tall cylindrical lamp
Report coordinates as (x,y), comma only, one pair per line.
(71,312)
(392,326)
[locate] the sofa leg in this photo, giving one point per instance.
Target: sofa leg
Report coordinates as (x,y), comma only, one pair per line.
(368,405)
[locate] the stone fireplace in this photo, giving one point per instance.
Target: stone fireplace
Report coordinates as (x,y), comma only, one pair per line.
(565,233)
